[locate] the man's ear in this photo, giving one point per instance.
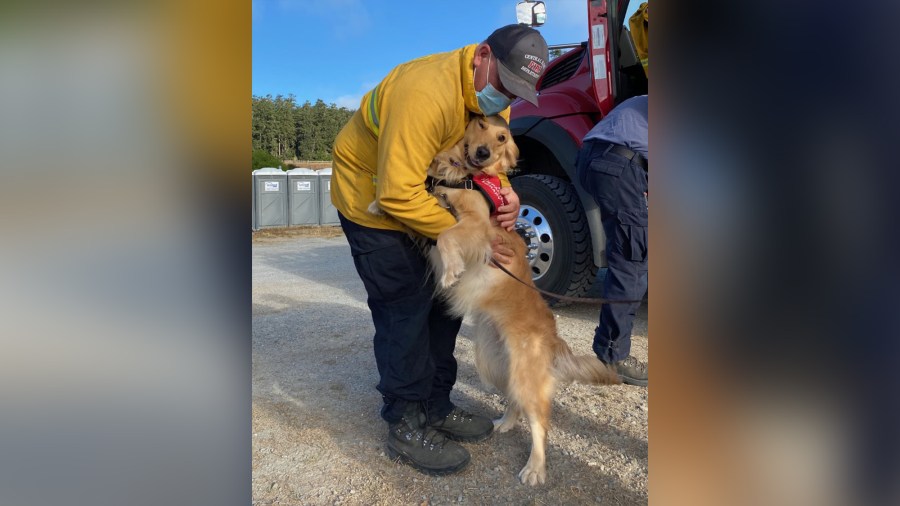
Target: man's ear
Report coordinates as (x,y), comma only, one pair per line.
(481,52)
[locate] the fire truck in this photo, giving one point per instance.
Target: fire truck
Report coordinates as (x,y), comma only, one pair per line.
(558,220)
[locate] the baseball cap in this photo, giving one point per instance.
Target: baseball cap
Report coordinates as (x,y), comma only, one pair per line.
(522,53)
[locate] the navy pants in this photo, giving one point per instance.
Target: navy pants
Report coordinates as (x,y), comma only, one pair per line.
(414,335)
(617,185)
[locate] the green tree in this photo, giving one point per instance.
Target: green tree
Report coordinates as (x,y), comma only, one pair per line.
(284,129)
(262,158)
(263,111)
(273,127)
(305,131)
(317,126)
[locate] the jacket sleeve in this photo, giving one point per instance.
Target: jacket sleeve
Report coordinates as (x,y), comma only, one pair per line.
(412,128)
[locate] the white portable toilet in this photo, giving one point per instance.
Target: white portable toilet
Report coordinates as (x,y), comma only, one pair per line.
(253,225)
(303,197)
(271,201)
(328,214)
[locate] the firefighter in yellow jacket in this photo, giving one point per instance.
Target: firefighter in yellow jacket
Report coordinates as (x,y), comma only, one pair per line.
(639,24)
(420,109)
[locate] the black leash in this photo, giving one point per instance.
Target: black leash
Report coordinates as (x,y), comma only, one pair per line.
(468,184)
(563,297)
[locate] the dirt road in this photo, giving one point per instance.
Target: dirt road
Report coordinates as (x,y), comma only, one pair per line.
(317,434)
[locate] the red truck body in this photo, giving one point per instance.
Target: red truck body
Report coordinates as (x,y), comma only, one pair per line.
(561,223)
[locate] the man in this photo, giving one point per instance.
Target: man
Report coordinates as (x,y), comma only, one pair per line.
(612,166)
(639,25)
(420,109)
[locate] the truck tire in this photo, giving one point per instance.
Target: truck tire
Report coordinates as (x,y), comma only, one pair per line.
(552,222)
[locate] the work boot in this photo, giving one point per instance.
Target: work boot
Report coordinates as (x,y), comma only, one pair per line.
(413,442)
(632,371)
(460,425)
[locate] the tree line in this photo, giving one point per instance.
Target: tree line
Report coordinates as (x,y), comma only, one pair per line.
(286,130)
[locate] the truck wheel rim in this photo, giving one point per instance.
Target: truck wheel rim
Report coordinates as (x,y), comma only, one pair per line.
(533,226)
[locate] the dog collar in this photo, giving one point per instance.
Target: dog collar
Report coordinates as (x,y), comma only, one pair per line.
(489,186)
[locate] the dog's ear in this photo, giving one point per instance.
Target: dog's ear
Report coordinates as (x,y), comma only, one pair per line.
(510,155)
(448,166)
(438,167)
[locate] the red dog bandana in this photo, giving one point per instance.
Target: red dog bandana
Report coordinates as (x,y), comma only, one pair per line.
(490,187)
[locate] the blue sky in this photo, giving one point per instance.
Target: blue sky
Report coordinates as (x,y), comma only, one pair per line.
(336,50)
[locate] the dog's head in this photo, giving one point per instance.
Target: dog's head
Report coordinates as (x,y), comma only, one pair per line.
(488,146)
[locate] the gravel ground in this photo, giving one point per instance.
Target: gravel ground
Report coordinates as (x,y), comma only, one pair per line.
(317,434)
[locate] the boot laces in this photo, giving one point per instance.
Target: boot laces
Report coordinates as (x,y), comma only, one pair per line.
(421,432)
(632,362)
(461,415)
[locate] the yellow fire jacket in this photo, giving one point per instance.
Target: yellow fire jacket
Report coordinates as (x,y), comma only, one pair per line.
(420,109)
(639,24)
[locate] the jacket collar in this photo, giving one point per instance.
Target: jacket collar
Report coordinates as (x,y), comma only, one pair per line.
(467,74)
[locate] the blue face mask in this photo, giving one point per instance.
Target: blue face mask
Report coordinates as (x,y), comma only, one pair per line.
(491,101)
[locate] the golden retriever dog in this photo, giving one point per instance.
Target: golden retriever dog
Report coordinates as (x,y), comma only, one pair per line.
(517,348)
(486,147)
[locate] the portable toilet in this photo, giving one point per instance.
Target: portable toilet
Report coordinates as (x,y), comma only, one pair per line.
(271,197)
(303,197)
(253,225)
(328,214)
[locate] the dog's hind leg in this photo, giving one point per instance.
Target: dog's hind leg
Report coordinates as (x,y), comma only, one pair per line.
(492,363)
(537,410)
(535,470)
(509,418)
(491,358)
(535,403)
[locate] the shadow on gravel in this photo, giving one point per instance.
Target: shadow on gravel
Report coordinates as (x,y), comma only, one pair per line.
(563,419)
(329,262)
(590,312)
(317,410)
(314,374)
(570,480)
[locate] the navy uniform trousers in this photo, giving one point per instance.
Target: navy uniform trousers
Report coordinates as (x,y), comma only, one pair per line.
(414,335)
(617,184)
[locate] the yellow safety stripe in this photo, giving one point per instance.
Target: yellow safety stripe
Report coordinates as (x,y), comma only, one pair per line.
(371,115)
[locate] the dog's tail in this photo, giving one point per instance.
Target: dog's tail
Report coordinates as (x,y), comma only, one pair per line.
(587,369)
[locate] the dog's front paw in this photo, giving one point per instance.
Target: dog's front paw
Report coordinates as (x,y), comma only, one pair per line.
(453,269)
(448,280)
(374,209)
(532,475)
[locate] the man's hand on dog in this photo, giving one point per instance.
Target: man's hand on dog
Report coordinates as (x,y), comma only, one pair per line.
(507,214)
(506,218)
(501,252)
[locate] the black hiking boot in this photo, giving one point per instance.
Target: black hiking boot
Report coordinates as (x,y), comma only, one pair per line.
(632,371)
(413,442)
(460,425)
